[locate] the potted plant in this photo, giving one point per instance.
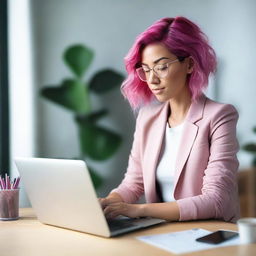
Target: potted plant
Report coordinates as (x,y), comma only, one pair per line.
(96,142)
(251,147)
(247,181)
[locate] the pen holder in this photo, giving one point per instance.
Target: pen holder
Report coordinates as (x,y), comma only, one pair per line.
(9,204)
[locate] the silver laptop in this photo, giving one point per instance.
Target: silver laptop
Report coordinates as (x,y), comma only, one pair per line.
(62,194)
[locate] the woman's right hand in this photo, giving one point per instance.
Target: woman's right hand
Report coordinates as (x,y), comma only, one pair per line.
(110,199)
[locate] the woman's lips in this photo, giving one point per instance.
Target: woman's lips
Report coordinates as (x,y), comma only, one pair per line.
(158,90)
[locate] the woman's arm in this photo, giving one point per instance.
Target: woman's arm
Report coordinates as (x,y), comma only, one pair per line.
(168,211)
(219,197)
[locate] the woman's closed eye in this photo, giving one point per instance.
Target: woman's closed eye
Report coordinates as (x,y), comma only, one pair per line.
(161,67)
(146,70)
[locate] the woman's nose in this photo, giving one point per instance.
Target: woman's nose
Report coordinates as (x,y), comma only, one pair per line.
(153,78)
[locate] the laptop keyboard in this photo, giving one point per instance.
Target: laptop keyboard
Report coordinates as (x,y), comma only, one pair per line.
(117,224)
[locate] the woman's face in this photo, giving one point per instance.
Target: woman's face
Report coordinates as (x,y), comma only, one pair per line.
(174,85)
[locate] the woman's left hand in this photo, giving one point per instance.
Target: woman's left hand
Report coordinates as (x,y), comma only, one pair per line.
(130,210)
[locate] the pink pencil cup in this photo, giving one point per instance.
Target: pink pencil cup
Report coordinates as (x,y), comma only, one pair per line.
(9,204)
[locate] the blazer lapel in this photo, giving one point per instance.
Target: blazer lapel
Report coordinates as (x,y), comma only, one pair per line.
(189,135)
(157,132)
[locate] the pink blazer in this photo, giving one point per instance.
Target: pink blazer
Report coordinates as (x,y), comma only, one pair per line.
(205,183)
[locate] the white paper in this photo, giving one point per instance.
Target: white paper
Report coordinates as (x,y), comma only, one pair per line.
(184,241)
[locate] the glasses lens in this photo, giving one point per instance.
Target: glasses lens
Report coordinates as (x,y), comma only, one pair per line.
(141,74)
(161,70)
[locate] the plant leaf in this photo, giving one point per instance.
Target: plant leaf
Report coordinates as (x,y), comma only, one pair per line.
(96,179)
(78,58)
(93,117)
(254,129)
(105,80)
(254,161)
(251,147)
(97,142)
(71,94)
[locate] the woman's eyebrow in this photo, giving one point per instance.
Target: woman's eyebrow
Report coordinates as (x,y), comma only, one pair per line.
(156,61)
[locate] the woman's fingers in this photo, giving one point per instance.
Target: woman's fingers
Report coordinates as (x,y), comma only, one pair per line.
(102,202)
(107,201)
(113,210)
(116,209)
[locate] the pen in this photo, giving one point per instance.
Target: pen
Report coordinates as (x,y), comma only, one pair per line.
(1,183)
(16,184)
(6,183)
(12,186)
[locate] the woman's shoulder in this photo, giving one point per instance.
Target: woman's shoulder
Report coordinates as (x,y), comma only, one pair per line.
(218,113)
(214,106)
(208,110)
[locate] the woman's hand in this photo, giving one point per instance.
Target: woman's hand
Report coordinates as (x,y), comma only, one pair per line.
(120,208)
(107,201)
(113,206)
(110,199)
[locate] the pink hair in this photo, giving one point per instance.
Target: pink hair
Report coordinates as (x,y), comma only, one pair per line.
(183,38)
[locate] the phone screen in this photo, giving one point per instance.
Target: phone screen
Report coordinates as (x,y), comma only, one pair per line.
(217,237)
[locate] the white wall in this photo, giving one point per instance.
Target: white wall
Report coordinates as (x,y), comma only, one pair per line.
(22,87)
(110,27)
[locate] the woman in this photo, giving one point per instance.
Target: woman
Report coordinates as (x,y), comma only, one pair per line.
(183,156)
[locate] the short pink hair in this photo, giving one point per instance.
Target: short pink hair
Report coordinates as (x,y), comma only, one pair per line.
(183,38)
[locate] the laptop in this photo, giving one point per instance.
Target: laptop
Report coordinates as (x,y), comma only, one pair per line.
(62,194)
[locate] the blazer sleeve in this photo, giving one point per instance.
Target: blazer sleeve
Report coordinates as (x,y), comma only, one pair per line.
(131,187)
(219,198)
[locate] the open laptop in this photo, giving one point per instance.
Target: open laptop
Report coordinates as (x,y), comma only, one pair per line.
(62,194)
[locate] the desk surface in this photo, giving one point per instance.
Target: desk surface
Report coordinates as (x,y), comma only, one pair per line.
(27,236)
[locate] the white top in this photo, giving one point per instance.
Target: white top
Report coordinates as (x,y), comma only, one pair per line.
(167,163)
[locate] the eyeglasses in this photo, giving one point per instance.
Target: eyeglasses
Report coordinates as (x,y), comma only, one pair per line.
(160,70)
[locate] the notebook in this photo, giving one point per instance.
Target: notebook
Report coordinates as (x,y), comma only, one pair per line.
(62,194)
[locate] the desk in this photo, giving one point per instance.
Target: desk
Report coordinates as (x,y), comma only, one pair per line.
(27,236)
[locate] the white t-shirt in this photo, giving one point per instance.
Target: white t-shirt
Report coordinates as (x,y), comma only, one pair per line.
(166,166)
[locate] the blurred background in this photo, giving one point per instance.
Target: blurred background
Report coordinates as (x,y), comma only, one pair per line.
(40,31)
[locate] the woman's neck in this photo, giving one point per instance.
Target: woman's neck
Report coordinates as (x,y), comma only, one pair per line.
(178,109)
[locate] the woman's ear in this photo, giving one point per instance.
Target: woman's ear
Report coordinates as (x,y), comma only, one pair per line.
(190,62)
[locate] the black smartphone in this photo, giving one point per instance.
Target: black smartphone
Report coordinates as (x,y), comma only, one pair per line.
(217,237)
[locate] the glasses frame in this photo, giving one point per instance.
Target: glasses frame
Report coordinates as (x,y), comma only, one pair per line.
(153,68)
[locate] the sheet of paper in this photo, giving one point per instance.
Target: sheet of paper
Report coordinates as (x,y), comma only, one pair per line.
(184,241)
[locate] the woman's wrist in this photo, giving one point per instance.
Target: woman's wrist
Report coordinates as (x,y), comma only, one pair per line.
(168,211)
(142,210)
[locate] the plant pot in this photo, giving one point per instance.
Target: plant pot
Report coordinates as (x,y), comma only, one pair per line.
(247,192)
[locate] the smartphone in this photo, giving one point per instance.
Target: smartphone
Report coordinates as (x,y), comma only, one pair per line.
(217,237)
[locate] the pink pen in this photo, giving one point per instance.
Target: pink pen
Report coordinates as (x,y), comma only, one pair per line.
(15,186)
(4,185)
(12,185)
(8,182)
(1,183)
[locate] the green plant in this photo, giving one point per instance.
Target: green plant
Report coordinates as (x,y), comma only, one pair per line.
(251,147)
(96,142)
